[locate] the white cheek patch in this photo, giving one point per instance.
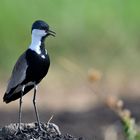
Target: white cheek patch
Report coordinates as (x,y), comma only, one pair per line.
(39,32)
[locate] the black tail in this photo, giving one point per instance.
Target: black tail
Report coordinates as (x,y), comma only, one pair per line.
(6,98)
(11,96)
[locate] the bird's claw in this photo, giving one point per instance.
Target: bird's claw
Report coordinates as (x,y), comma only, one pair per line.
(40,129)
(18,132)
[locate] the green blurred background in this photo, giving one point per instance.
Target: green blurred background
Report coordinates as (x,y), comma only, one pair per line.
(101,33)
(90,34)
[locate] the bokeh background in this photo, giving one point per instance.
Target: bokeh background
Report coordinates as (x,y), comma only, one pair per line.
(94,56)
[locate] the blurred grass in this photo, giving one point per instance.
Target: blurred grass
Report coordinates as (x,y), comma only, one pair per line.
(90,33)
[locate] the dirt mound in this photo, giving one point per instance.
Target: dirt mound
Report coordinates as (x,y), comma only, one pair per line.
(30,131)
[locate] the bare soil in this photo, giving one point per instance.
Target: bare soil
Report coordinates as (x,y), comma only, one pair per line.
(30,131)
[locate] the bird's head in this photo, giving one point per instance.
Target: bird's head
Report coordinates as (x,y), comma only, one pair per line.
(41,29)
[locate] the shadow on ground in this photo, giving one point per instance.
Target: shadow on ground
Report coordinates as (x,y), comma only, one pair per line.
(89,124)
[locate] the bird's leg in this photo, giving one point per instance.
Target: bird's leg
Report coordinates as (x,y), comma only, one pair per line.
(36,111)
(20,108)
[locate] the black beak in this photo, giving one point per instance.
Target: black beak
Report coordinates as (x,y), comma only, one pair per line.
(52,33)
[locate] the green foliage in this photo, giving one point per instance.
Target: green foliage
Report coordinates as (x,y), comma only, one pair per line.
(129,128)
(137,137)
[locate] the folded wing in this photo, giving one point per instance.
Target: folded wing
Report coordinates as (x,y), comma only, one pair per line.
(17,77)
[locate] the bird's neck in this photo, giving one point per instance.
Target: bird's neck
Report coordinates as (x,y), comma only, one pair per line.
(37,44)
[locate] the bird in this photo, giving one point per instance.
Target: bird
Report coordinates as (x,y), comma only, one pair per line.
(31,67)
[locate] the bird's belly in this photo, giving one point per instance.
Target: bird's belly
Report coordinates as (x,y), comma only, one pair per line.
(39,70)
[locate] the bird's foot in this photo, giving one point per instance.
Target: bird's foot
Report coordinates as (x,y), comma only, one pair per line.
(19,131)
(40,129)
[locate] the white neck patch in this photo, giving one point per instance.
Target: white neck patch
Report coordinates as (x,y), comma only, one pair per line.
(35,46)
(36,40)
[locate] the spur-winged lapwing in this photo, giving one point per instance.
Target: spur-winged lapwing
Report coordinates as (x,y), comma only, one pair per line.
(31,67)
